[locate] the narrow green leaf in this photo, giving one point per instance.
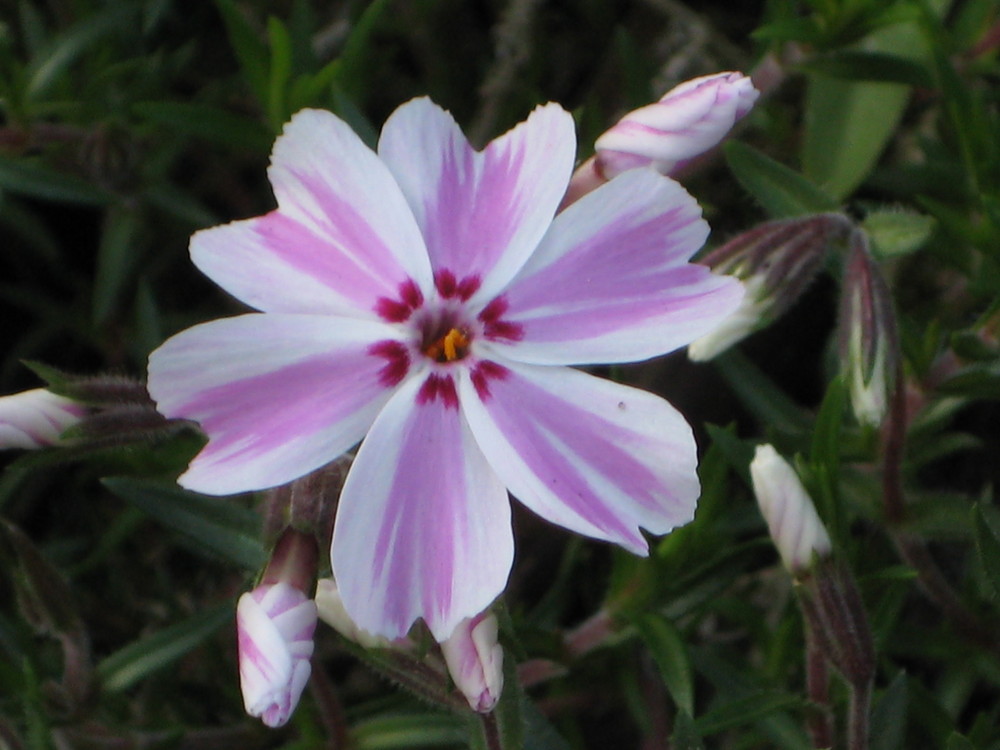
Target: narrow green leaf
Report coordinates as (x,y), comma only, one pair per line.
(862,65)
(959,742)
(138,660)
(685,736)
(667,647)
(888,722)
(351,65)
(760,395)
(33,178)
(208,122)
(432,730)
(746,710)
(509,712)
(987,534)
(117,258)
(218,524)
(281,72)
(781,191)
(824,458)
(250,50)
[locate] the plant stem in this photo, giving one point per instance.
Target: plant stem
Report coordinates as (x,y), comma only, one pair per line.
(491,731)
(858,719)
(817,688)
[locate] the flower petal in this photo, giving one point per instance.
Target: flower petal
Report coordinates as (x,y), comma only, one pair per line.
(277,395)
(423,526)
(482,213)
(343,236)
(596,457)
(611,281)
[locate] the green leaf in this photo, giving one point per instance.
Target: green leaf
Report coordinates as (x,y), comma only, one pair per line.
(847,123)
(33,178)
(351,75)
(667,647)
(117,257)
(219,525)
(862,65)
(959,742)
(986,528)
(897,233)
(401,732)
(250,50)
(760,395)
(281,73)
(685,736)
(138,660)
(746,710)
(824,458)
(211,123)
(781,191)
(974,381)
(888,719)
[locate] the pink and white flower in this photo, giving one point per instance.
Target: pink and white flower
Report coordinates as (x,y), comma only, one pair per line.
(36,418)
(427,299)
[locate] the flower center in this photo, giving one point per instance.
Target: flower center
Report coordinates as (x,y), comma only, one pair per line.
(453,345)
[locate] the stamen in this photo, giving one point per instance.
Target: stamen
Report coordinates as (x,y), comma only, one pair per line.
(449,347)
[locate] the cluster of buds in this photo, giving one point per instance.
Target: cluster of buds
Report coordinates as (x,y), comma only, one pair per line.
(776,262)
(687,121)
(826,590)
(868,338)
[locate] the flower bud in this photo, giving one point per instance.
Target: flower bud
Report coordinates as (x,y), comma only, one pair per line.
(331,610)
(868,339)
(688,120)
(795,527)
(275,625)
(475,661)
(776,262)
(36,418)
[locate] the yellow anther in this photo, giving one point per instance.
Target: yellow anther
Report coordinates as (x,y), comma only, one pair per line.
(454,344)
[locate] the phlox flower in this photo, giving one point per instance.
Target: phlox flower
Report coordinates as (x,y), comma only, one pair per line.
(427,299)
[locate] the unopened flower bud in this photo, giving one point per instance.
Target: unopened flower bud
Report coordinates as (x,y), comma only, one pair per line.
(36,418)
(475,661)
(795,527)
(868,338)
(776,262)
(275,626)
(331,610)
(688,120)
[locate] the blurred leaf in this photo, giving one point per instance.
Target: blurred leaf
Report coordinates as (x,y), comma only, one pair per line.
(351,65)
(117,257)
(888,718)
(219,525)
(401,732)
(861,65)
(280,74)
(509,712)
(33,178)
(781,191)
(746,710)
(45,599)
(760,395)
(986,528)
(209,122)
(824,458)
(539,734)
(138,660)
(64,50)
(250,50)
(685,736)
(974,381)
(667,647)
(958,742)
(897,233)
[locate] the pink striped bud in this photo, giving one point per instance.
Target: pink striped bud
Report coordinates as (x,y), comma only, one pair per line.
(330,606)
(275,624)
(690,119)
(475,661)
(36,418)
(791,517)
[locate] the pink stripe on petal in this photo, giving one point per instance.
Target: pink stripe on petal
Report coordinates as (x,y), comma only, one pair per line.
(423,525)
(328,181)
(481,213)
(278,395)
(612,281)
(596,457)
